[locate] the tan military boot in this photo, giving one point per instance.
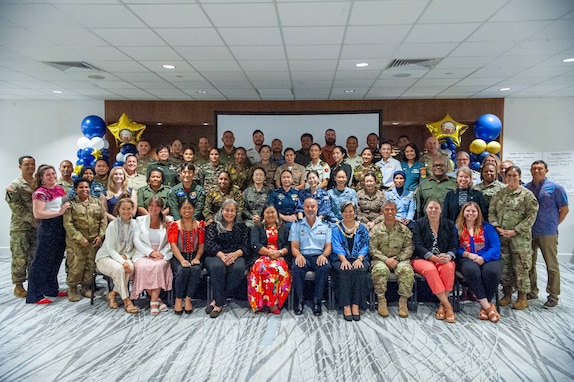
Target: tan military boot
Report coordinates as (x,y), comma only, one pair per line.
(403,309)
(521,303)
(73,295)
(19,290)
(507,298)
(382,310)
(87,291)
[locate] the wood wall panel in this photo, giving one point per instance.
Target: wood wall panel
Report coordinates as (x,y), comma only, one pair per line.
(191,119)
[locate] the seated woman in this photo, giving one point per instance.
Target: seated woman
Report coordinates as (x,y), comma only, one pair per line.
(269,280)
(255,198)
(479,258)
(284,199)
(226,249)
(317,193)
(114,258)
(117,188)
(186,237)
(152,256)
(371,200)
(341,194)
(350,261)
(436,244)
(217,194)
(404,200)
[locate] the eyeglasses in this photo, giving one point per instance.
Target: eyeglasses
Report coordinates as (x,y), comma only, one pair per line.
(439,165)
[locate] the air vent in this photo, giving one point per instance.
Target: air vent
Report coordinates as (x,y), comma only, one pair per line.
(416,63)
(66,66)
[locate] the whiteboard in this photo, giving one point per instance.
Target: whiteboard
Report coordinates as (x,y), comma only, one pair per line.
(289,127)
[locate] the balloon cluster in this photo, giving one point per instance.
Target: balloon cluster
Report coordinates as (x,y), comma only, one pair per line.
(486,129)
(93,145)
(448,132)
(127,134)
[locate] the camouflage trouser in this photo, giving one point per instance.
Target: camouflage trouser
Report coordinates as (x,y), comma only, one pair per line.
(405,274)
(516,258)
(23,248)
(81,264)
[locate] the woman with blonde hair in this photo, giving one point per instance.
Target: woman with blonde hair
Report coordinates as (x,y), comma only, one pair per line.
(117,189)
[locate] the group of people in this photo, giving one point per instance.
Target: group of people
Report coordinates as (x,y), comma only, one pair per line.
(274,215)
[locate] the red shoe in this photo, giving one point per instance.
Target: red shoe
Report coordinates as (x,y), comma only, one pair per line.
(44,301)
(275,310)
(62,294)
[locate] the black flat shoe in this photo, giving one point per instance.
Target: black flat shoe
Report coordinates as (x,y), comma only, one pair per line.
(299,308)
(189,311)
(356,317)
(178,312)
(214,313)
(209,309)
(348,317)
(317,311)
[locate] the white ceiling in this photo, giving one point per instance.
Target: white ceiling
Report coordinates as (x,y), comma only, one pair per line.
(285,49)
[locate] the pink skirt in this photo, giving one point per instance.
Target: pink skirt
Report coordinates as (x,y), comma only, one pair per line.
(151,274)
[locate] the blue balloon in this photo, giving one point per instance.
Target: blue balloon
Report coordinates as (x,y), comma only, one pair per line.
(93,163)
(448,140)
(80,162)
(452,146)
(475,166)
(89,159)
(86,152)
(474,157)
(483,155)
(487,127)
(105,154)
(79,153)
(444,146)
(118,164)
(93,126)
(128,148)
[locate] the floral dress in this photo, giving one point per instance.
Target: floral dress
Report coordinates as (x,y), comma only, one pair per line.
(269,280)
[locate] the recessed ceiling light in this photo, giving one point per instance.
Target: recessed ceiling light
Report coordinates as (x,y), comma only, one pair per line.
(349,90)
(400,75)
(504,89)
(168,66)
(568,59)
(57,91)
(362,64)
(396,123)
(201,92)
(159,123)
(205,124)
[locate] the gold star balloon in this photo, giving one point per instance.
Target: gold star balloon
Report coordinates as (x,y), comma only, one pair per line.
(447,128)
(126,131)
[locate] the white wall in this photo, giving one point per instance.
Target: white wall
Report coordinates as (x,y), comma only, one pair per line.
(49,130)
(46,130)
(542,124)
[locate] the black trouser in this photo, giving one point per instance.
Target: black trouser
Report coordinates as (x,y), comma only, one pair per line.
(224,279)
(482,279)
(351,284)
(186,279)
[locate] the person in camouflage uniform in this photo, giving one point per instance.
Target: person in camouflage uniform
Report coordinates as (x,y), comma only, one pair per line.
(367,167)
(22,224)
(371,200)
(187,189)
(65,180)
(215,197)
(240,169)
(209,172)
(85,223)
(512,212)
(255,198)
(144,155)
(391,250)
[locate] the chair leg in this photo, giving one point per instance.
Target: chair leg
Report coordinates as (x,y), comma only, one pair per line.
(209,290)
(93,287)
(415,299)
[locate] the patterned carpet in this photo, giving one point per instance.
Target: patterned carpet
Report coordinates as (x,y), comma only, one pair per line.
(77,342)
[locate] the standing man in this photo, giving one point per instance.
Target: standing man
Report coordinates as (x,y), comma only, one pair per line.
(391,251)
(435,186)
(145,157)
(102,172)
(310,240)
(227,152)
(552,210)
(462,159)
(202,153)
(22,223)
(253,153)
(388,165)
(402,141)
(327,150)
(353,159)
(65,180)
(373,145)
(433,152)
(302,156)
(276,152)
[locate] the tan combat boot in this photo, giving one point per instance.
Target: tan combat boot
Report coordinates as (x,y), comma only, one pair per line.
(382,310)
(521,303)
(507,298)
(73,295)
(19,290)
(403,309)
(87,291)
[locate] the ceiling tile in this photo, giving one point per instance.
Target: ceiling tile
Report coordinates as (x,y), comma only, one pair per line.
(241,15)
(258,52)
(101,15)
(150,53)
(314,14)
(190,36)
(313,35)
(278,67)
(312,65)
(129,37)
(322,75)
(301,52)
(205,53)
(360,53)
(459,11)
(507,31)
(215,66)
(251,36)
(171,15)
(487,48)
(36,15)
(386,12)
(424,50)
(433,33)
(528,10)
(380,34)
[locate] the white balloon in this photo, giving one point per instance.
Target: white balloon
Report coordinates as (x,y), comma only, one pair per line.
(106,144)
(447,152)
(83,142)
(97,143)
(119,157)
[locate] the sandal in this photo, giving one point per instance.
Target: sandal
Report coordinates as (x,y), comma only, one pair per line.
(493,315)
(440,313)
(449,315)
(129,306)
(112,300)
(162,306)
(483,315)
(154,311)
